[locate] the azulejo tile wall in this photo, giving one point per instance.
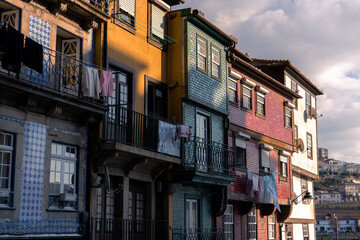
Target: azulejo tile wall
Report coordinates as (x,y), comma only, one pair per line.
(31,220)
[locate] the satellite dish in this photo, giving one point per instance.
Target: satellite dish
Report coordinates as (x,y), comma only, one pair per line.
(107,179)
(300,145)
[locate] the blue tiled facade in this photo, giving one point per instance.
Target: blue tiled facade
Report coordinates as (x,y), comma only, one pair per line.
(31,219)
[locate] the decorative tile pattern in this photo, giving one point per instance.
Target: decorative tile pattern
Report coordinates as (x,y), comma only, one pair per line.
(33,171)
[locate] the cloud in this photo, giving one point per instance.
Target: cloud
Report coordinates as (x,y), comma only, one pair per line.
(321,38)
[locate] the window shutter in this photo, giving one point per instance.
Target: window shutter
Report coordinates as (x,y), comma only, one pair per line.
(283,159)
(265,158)
(128,6)
(157,21)
(240,143)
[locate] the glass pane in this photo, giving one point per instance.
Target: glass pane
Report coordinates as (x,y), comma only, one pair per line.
(57,177)
(52,165)
(52,177)
(5,171)
(58,165)
(2,138)
(8,140)
(72,168)
(66,167)
(58,149)
(4,183)
(6,158)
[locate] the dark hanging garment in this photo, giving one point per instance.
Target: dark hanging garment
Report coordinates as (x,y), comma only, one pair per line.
(33,55)
(14,44)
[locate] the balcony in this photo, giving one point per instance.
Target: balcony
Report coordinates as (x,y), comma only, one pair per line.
(139,136)
(52,91)
(125,229)
(206,162)
(196,234)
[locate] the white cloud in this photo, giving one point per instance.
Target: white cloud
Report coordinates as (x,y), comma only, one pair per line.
(321,38)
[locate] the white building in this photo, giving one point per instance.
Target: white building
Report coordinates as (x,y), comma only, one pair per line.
(327,224)
(323,152)
(327,197)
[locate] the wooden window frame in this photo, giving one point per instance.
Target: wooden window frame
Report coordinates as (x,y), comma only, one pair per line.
(311,146)
(229,222)
(291,117)
(256,105)
(242,97)
(232,89)
(308,97)
(252,223)
(218,77)
(289,229)
(281,163)
(307,229)
(295,90)
(198,37)
(271,223)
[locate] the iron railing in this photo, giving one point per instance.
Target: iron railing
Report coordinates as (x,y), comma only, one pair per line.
(198,234)
(125,229)
(61,74)
(136,129)
(102,5)
(205,156)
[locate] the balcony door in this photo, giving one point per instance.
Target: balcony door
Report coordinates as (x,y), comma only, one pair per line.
(138,228)
(70,65)
(192,218)
(202,136)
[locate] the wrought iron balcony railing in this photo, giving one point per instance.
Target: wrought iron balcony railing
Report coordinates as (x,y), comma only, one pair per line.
(61,74)
(205,156)
(102,5)
(197,234)
(132,128)
(126,229)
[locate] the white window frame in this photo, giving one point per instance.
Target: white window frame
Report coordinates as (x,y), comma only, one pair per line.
(200,54)
(272,222)
(308,103)
(215,65)
(252,215)
(64,157)
(228,220)
(232,89)
(258,97)
(247,97)
(283,164)
(305,231)
(288,117)
(6,149)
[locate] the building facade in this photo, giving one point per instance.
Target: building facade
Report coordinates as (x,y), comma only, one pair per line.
(327,197)
(304,159)
(45,116)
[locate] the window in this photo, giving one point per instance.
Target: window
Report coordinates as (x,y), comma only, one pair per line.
(228,219)
(306,231)
(192,214)
(158,20)
(271,226)
(283,166)
(265,156)
(289,231)
(308,103)
(232,90)
(6,165)
(304,185)
(62,169)
(309,145)
(296,137)
(246,97)
(260,103)
(294,88)
(127,11)
(288,117)
(201,54)
(215,62)
(240,157)
(252,224)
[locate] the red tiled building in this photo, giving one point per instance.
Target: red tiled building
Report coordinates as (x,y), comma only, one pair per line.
(261,131)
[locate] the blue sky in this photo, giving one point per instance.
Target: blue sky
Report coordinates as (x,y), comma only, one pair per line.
(321,38)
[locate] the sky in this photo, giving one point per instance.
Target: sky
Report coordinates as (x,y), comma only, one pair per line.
(321,38)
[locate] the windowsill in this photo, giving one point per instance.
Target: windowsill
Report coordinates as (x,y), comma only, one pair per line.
(156,43)
(283,179)
(246,109)
(3,207)
(201,70)
(234,104)
(62,210)
(260,116)
(288,128)
(125,26)
(215,78)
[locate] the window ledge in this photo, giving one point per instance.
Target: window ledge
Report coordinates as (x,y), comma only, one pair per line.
(125,26)
(61,210)
(156,43)
(246,109)
(233,104)
(260,116)
(240,169)
(7,208)
(283,179)
(288,128)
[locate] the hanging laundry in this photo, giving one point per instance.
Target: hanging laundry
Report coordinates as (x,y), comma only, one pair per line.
(260,195)
(33,55)
(249,184)
(255,180)
(183,132)
(12,42)
(106,83)
(273,190)
(91,82)
(266,189)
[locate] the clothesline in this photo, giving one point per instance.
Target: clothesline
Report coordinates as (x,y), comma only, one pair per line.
(82,61)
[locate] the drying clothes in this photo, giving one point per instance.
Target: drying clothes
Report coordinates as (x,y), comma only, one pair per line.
(91,82)
(249,184)
(12,44)
(266,189)
(261,189)
(106,83)
(255,180)
(273,190)
(183,132)
(33,55)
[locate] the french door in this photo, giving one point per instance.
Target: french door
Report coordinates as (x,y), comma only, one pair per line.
(201,142)
(192,217)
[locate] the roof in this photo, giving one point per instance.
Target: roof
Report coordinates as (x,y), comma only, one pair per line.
(287,63)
